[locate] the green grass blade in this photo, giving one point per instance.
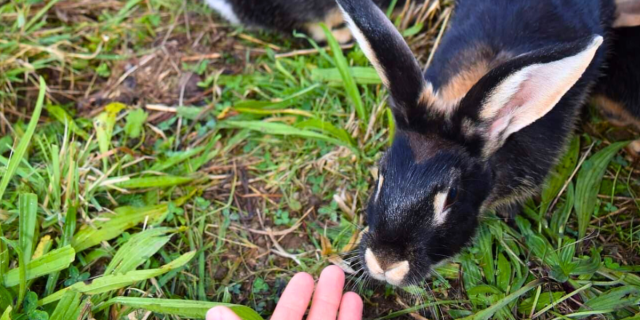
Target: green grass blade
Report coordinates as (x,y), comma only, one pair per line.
(53,261)
(125,218)
(327,127)
(614,299)
(21,272)
(397,314)
(347,78)
(560,174)
(4,257)
(281,129)
(181,308)
(39,15)
(176,158)
(6,315)
(16,157)
(104,124)
(63,117)
(28,208)
(588,184)
(68,308)
(114,282)
(559,219)
(68,231)
(489,312)
(150,182)
(138,249)
(361,75)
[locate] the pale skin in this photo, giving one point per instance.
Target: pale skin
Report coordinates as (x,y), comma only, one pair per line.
(329,302)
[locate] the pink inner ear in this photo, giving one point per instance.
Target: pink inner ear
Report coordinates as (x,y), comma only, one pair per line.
(530,93)
(505,115)
(540,88)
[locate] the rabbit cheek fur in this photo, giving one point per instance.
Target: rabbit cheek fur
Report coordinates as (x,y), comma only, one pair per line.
(481,128)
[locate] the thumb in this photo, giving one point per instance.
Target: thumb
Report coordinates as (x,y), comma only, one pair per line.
(221,313)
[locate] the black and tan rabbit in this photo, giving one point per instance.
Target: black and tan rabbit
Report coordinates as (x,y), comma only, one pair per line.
(287,16)
(481,128)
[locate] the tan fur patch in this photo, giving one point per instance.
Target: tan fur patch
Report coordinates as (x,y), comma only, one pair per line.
(477,62)
(617,114)
(634,148)
(334,19)
(628,13)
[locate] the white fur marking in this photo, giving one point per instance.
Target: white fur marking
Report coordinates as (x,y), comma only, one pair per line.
(439,213)
(224,9)
(366,47)
(374,267)
(396,273)
(380,182)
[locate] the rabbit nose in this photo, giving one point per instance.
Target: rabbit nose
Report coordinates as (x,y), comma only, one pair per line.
(392,273)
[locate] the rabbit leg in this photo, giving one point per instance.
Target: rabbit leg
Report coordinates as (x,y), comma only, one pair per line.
(618,115)
(334,20)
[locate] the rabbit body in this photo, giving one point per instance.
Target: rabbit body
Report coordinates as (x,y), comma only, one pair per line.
(481,128)
(287,16)
(618,91)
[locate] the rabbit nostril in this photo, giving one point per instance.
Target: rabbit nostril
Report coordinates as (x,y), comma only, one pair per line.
(393,273)
(397,272)
(373,265)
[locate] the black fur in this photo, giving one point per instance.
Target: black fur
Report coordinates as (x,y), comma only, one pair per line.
(531,32)
(287,16)
(621,83)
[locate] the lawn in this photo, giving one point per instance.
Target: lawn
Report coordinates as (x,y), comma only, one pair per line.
(150,154)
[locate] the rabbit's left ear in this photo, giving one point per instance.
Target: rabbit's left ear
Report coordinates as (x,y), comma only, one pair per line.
(519,92)
(390,55)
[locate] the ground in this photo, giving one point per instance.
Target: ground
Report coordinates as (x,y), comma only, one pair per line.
(178,157)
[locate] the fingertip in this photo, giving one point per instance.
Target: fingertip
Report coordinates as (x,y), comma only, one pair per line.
(303,278)
(352,299)
(351,307)
(333,272)
(221,313)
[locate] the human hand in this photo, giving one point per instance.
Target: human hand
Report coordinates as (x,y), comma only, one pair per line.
(327,300)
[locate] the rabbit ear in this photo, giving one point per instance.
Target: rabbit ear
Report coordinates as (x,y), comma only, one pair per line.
(628,13)
(516,94)
(390,55)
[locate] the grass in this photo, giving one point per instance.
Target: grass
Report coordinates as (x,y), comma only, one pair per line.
(177,158)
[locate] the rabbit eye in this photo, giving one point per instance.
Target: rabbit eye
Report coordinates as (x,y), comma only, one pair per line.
(452,197)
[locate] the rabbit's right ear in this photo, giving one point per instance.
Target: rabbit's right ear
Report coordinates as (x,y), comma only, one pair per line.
(391,57)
